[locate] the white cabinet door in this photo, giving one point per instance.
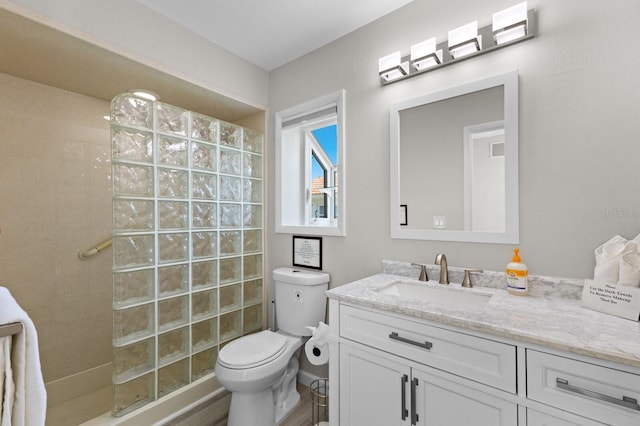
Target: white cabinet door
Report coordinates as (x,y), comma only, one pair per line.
(372,385)
(442,401)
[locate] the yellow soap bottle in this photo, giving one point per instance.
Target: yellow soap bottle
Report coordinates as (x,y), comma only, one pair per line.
(517,276)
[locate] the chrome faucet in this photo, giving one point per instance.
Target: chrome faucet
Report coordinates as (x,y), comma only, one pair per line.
(441,260)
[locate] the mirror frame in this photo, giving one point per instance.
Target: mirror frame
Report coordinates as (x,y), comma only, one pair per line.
(511,235)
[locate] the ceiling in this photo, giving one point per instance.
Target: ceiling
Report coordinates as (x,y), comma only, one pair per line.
(39,53)
(270,33)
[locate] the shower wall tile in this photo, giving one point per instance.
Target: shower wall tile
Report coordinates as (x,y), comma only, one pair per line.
(173,312)
(230,135)
(204,333)
(204,274)
(132,145)
(173,377)
(203,363)
(252,141)
(173,345)
(203,156)
(204,128)
(133,287)
(172,119)
(129,110)
(133,323)
(134,394)
(187,214)
(173,183)
(173,280)
(133,360)
(172,151)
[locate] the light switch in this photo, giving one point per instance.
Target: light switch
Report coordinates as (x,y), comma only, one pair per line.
(439,222)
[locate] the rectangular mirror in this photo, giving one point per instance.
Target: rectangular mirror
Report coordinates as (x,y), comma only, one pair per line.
(454,163)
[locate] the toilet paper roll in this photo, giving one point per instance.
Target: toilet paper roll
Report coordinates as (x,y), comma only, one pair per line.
(316,354)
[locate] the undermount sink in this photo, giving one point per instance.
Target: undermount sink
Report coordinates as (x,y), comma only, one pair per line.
(436,293)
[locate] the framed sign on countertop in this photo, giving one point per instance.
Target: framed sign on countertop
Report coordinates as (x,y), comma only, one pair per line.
(307,252)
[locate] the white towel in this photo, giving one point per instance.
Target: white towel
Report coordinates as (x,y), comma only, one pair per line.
(30,404)
(630,269)
(608,260)
(7,386)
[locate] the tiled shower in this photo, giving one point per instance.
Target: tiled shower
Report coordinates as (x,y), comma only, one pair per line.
(187,245)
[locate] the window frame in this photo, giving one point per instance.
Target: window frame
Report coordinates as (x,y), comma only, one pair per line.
(334,225)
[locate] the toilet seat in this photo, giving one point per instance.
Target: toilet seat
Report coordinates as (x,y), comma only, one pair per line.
(253,350)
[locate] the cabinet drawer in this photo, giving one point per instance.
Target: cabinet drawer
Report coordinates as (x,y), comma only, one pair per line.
(474,358)
(601,393)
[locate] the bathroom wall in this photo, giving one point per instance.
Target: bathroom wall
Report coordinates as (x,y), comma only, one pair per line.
(55,200)
(579,127)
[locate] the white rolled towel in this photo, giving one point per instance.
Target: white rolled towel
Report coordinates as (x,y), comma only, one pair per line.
(630,269)
(629,272)
(608,260)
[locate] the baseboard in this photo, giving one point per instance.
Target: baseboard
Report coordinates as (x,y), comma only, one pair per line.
(76,385)
(306,378)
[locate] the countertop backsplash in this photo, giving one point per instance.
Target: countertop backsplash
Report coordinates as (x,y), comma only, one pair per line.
(568,288)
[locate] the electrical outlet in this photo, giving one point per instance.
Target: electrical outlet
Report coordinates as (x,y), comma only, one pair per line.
(439,222)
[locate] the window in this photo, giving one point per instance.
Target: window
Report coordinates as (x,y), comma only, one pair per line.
(310,167)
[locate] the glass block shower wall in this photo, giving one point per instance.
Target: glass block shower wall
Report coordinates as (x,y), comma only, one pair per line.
(187,245)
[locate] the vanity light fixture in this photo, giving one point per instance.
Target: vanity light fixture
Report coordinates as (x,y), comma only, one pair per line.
(465,40)
(391,67)
(424,54)
(510,24)
(145,94)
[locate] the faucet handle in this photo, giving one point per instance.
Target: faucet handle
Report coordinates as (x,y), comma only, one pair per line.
(423,271)
(466,281)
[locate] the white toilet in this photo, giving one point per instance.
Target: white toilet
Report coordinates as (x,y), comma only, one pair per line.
(260,369)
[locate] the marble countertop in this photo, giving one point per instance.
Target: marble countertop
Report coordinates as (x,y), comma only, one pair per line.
(557,322)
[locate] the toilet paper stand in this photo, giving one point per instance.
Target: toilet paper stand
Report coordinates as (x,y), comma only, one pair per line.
(320,402)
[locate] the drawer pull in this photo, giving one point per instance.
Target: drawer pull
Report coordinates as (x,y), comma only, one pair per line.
(425,345)
(624,402)
(403,386)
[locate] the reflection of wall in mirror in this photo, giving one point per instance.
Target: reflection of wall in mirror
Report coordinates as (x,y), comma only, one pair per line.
(431,154)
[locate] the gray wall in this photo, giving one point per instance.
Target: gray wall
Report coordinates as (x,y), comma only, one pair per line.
(579,129)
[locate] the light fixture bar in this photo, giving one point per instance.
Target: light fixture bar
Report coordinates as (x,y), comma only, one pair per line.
(509,26)
(464,40)
(424,54)
(391,67)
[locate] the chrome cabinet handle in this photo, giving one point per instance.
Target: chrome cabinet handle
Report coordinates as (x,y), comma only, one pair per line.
(414,414)
(426,345)
(404,412)
(626,401)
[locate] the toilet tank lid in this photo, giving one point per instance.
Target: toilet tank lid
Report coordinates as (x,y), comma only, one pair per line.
(300,276)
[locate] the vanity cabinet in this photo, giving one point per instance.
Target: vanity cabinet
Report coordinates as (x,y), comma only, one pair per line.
(395,369)
(600,393)
(378,388)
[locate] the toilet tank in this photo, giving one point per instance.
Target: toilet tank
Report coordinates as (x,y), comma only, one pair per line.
(300,299)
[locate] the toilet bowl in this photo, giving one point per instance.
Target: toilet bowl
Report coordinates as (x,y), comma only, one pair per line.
(257,369)
(260,369)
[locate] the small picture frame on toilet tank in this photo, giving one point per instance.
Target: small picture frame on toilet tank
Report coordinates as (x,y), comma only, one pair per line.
(307,252)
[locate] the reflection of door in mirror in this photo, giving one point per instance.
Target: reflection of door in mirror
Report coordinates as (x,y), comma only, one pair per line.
(484,177)
(432,167)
